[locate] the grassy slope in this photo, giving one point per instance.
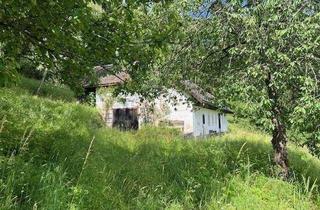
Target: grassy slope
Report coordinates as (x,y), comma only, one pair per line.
(47,90)
(44,144)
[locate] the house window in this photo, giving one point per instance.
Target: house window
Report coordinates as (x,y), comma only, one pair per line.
(203,119)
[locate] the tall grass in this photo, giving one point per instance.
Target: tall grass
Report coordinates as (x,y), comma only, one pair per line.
(48,160)
(47,90)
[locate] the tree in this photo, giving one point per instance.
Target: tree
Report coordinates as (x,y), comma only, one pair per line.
(65,39)
(46,33)
(266,55)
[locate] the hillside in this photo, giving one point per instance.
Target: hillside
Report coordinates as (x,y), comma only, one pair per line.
(58,155)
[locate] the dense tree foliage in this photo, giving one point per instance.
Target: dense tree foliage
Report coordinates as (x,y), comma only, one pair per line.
(134,37)
(46,34)
(64,40)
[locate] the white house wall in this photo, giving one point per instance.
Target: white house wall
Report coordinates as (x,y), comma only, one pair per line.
(129,101)
(180,109)
(167,109)
(211,122)
(121,102)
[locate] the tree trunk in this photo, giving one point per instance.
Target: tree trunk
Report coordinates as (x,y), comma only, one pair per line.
(279,137)
(279,144)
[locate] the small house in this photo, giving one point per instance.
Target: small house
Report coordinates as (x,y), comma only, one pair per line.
(191,111)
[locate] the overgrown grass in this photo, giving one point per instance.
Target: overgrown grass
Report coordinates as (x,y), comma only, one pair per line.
(47,90)
(46,163)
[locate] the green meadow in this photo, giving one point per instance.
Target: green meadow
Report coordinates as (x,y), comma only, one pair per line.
(57,154)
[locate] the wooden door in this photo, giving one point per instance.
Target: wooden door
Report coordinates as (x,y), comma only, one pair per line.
(125,119)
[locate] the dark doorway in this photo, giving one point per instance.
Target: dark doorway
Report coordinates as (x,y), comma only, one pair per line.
(125,119)
(219,119)
(88,96)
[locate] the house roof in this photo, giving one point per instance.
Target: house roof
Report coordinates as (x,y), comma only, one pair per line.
(202,98)
(111,80)
(105,79)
